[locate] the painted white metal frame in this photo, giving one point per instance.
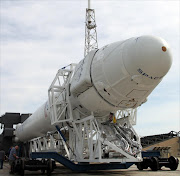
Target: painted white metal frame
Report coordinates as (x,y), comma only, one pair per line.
(86,144)
(129,115)
(89,140)
(57,101)
(52,142)
(89,143)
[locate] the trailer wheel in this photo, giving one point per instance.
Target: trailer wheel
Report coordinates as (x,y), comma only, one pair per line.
(173,162)
(140,166)
(22,167)
(154,164)
(43,170)
(49,169)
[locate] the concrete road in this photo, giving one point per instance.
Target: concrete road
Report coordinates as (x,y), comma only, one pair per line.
(132,171)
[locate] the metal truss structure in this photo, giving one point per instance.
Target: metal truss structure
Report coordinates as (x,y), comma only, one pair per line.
(127,115)
(90,31)
(87,139)
(57,99)
(91,142)
(88,143)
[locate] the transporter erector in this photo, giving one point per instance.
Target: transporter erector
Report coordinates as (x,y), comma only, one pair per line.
(87,121)
(92,105)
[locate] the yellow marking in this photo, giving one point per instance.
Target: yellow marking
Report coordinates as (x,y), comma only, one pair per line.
(114,119)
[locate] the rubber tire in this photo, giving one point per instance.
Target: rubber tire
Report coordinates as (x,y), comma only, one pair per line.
(140,166)
(173,162)
(154,164)
(49,170)
(43,170)
(22,167)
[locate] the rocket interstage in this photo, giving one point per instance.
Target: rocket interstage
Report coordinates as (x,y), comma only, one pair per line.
(118,76)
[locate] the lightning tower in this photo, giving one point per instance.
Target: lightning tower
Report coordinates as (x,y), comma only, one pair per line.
(90,30)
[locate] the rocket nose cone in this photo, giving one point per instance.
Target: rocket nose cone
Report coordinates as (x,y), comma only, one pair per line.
(148,55)
(154,55)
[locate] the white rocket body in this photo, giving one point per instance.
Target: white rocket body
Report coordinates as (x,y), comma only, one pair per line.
(116,77)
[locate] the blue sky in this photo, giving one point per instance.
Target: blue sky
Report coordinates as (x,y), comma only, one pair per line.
(39,37)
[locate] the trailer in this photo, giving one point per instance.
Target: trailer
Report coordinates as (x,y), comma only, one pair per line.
(46,162)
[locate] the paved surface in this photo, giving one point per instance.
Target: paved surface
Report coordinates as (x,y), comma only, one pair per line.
(132,171)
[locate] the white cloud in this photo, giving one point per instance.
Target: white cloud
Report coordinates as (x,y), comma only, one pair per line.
(39,37)
(162,119)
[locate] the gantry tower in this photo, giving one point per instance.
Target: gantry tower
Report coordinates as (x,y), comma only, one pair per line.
(90,30)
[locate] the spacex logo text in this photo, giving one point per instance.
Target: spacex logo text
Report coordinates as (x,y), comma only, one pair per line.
(145,74)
